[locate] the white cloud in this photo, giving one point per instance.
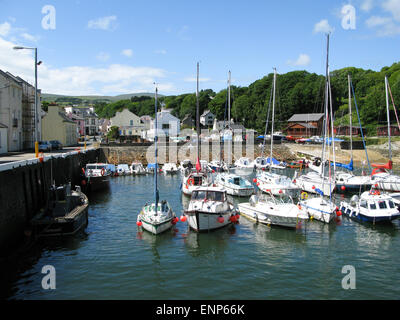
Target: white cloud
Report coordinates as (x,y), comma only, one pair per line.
(392,6)
(162,51)
(183,33)
(127,52)
(103,23)
(302,60)
(323,26)
(103,56)
(5,29)
(367,5)
(29,37)
(385,26)
(377,21)
(80,80)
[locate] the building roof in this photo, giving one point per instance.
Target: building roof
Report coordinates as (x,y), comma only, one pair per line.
(303,124)
(205,113)
(306,117)
(3,125)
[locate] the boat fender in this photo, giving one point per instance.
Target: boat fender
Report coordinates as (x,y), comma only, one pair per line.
(191,181)
(103,171)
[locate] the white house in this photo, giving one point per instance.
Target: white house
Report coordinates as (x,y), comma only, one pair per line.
(129,124)
(3,139)
(167,123)
(207,118)
(11,110)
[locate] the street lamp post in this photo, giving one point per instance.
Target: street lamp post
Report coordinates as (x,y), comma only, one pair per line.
(36,102)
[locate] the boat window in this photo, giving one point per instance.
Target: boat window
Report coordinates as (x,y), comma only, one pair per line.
(382,204)
(348,211)
(363,204)
(90,166)
(199,195)
(197,181)
(100,167)
(372,205)
(236,181)
(215,196)
(391,204)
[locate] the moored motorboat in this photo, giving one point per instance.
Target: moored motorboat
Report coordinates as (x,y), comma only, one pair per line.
(267,209)
(192,179)
(137,168)
(372,206)
(123,170)
(210,209)
(277,184)
(235,185)
(97,176)
(319,208)
(170,168)
(65,213)
(244,166)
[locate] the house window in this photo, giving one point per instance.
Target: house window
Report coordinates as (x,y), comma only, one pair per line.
(165,126)
(131,122)
(93,122)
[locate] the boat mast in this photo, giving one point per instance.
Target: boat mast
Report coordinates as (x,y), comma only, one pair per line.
(351,122)
(332,131)
(388,117)
(155,155)
(272,124)
(325,113)
(198,115)
(229,98)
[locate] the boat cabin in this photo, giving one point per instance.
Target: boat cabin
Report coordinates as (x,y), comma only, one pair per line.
(209,195)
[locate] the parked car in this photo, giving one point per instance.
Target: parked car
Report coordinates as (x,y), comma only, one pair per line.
(45,146)
(56,145)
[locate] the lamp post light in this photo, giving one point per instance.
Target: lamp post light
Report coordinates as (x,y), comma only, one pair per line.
(36,98)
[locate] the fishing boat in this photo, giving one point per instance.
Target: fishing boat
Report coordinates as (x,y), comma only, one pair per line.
(371,206)
(156,217)
(267,209)
(170,168)
(235,185)
(318,207)
(210,209)
(97,176)
(244,166)
(137,168)
(65,213)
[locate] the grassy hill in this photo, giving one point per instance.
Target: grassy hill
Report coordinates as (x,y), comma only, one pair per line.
(63,99)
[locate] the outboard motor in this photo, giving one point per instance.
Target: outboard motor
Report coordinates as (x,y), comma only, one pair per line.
(354,200)
(253,200)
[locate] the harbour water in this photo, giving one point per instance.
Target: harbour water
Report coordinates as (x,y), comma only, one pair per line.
(112,259)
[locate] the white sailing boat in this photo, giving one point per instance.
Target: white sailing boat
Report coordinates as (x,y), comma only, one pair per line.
(382,176)
(270,182)
(244,166)
(318,182)
(346,180)
(192,179)
(317,207)
(156,217)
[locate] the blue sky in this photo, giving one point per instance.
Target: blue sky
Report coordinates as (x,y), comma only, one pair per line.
(115,47)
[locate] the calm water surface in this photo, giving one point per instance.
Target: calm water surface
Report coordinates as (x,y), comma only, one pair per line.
(113,260)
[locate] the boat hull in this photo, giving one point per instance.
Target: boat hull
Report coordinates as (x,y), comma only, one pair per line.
(156,228)
(201,221)
(319,209)
(266,218)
